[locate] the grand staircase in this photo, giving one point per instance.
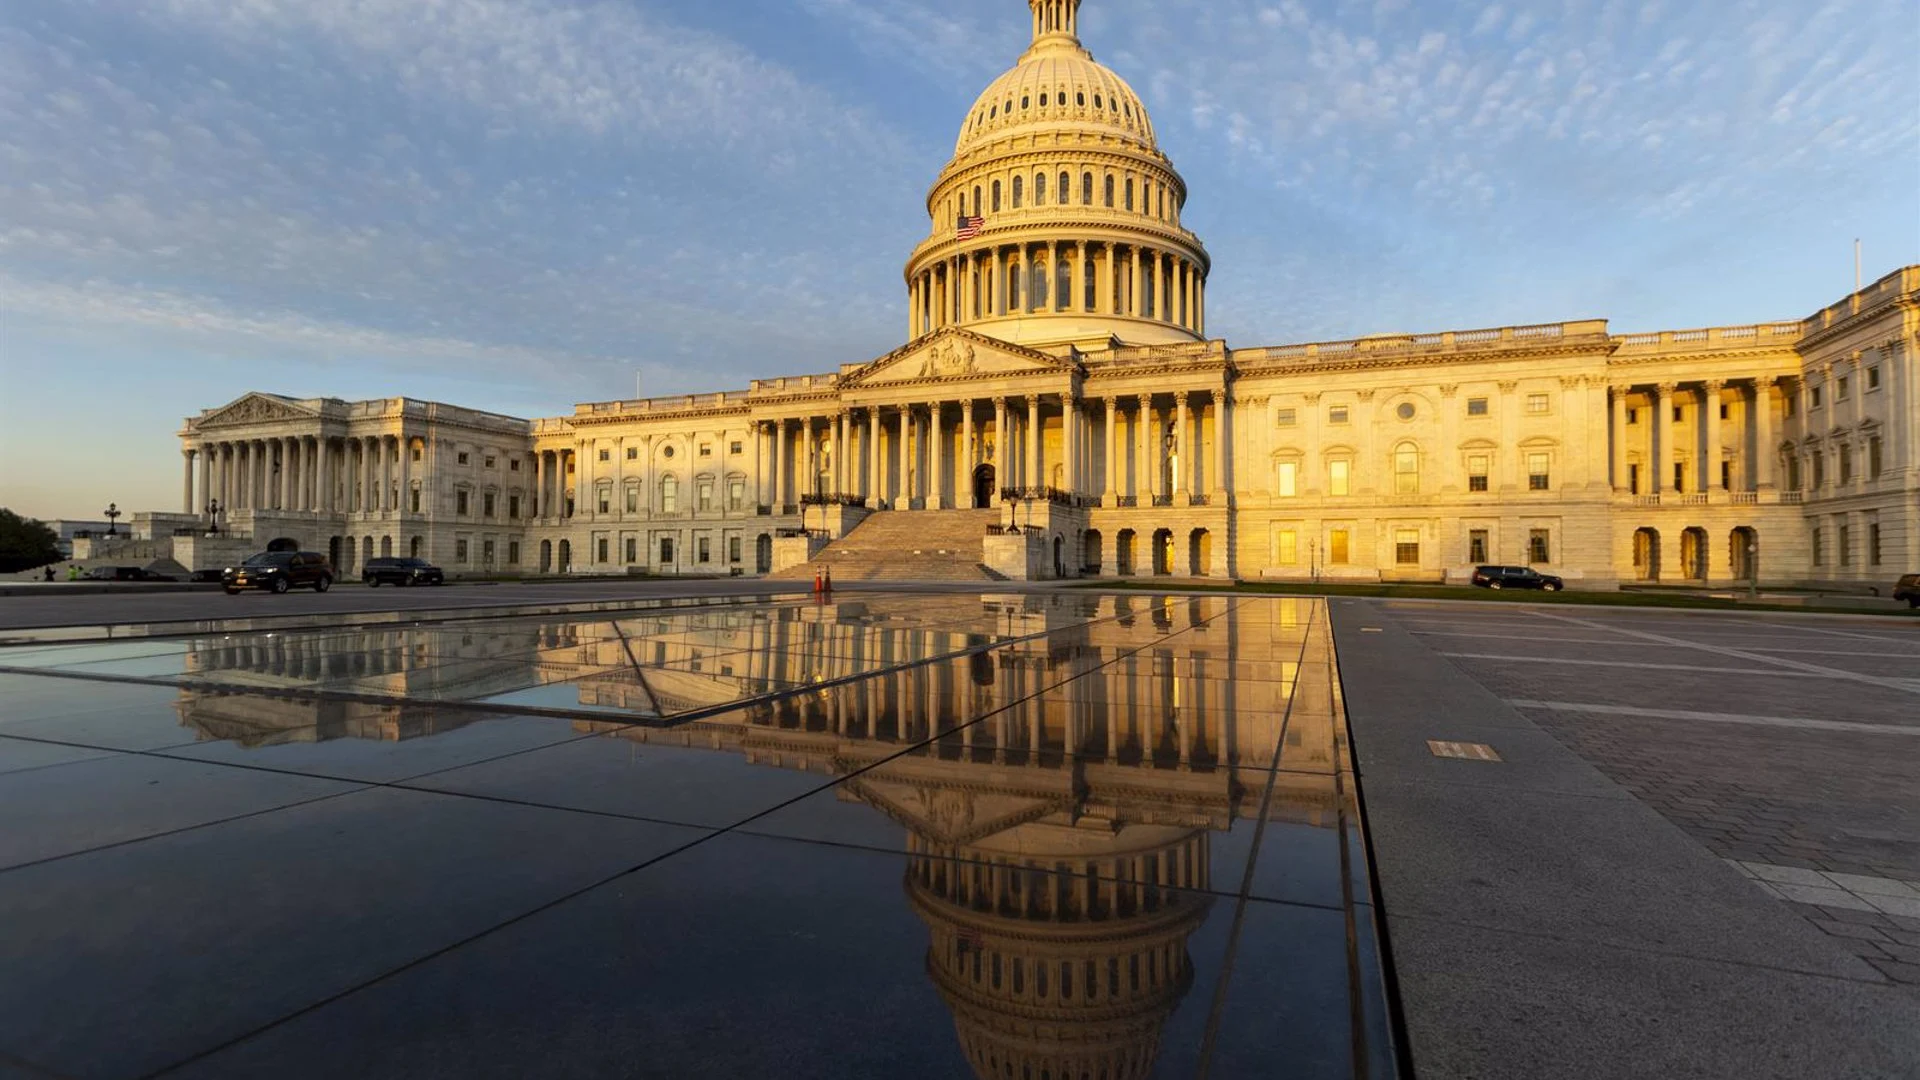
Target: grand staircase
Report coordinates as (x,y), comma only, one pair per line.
(907,545)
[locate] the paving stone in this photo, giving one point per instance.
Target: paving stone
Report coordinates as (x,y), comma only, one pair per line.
(1858,916)
(1849,930)
(1906,954)
(1787,875)
(1825,897)
(1874,886)
(1895,905)
(1899,972)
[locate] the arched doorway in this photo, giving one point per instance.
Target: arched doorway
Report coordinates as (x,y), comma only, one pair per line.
(413,547)
(1123,553)
(1646,554)
(333,553)
(283,543)
(983,487)
(366,550)
(1059,557)
(1090,557)
(386,547)
(1743,550)
(1162,552)
(1199,552)
(566,556)
(1693,553)
(546,556)
(763,553)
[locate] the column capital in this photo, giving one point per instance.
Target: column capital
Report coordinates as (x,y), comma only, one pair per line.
(1618,391)
(1714,386)
(1666,389)
(1765,382)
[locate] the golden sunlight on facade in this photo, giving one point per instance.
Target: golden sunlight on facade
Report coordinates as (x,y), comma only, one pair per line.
(1058,411)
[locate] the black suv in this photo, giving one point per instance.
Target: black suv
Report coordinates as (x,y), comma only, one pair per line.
(402,572)
(1515,577)
(278,571)
(1908,589)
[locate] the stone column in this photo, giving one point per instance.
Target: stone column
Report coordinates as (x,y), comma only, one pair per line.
(1217,488)
(1617,432)
(1766,448)
(1033,469)
(285,496)
(206,477)
(875,462)
(1144,473)
(1000,479)
(539,485)
(1070,438)
(903,481)
(1133,285)
(406,474)
(969,454)
(936,460)
(1663,434)
(1710,460)
(1108,492)
(186,480)
(779,466)
(1183,463)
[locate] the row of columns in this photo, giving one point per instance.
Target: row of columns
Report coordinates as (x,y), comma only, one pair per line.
(299,473)
(555,497)
(994,282)
(898,455)
(1758,399)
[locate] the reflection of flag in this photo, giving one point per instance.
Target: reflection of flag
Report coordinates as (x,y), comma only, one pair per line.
(969,227)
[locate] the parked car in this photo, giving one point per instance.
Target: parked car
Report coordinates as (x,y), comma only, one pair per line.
(278,571)
(1908,589)
(206,575)
(126,573)
(1515,577)
(402,572)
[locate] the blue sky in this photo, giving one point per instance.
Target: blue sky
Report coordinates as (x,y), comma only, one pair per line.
(521,204)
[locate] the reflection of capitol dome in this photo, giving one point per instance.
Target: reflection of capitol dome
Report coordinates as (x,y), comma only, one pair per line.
(1060,956)
(1057,222)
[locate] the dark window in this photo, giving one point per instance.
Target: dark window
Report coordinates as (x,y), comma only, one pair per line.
(1679,476)
(702,549)
(666,549)
(462,458)
(460,502)
(1109,191)
(1537,549)
(1477,546)
(1019,191)
(1086,195)
(1873,543)
(486,505)
(513,552)
(600,550)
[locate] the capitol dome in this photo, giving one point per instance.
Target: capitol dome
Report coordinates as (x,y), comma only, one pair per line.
(1056,225)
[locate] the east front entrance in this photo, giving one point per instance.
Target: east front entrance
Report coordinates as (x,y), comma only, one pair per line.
(983,487)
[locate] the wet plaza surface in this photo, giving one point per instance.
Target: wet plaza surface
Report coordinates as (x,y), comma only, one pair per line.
(1071,837)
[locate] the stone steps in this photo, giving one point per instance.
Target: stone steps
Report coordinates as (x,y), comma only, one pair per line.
(907,545)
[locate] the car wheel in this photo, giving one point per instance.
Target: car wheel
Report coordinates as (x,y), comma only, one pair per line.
(1493,585)
(323,584)
(373,583)
(280,585)
(1551,587)
(230,591)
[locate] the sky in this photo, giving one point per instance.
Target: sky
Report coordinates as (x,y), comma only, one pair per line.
(517,205)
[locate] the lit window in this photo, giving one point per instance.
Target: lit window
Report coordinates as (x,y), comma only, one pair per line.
(1538,551)
(1538,478)
(1337,477)
(1285,418)
(633,500)
(1289,479)
(1337,547)
(1536,404)
(1406,471)
(1406,547)
(706,496)
(1476,406)
(736,494)
(669,494)
(1287,545)
(1476,472)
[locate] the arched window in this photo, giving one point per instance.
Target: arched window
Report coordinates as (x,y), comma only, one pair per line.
(1013,287)
(1040,190)
(1129,193)
(1062,284)
(1086,189)
(1043,99)
(1066,188)
(1149,277)
(1160,197)
(1019,191)
(1037,294)
(1406,469)
(1109,191)
(1089,285)
(996,196)
(1080,99)
(993,113)
(986,290)
(1096,101)
(1025,101)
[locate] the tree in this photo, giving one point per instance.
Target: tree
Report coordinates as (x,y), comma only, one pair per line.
(25,543)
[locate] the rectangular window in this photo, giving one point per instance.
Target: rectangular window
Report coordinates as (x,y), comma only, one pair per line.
(1633,479)
(1819,556)
(604,500)
(1873,377)
(1538,551)
(1845,455)
(1289,482)
(486,553)
(702,549)
(733,549)
(600,550)
(633,500)
(513,508)
(1819,470)
(706,449)
(486,505)
(1477,472)
(1873,543)
(513,553)
(489,461)
(1337,547)
(1477,546)
(1538,476)
(1476,406)
(1793,472)
(1788,405)
(414,498)
(1536,404)
(1337,477)
(1723,410)
(1679,477)
(734,448)
(1845,544)
(1336,414)
(633,551)
(513,464)
(1287,543)
(1286,418)
(1726,476)
(1633,416)
(1873,458)
(416,453)
(1842,390)
(1814,394)
(1679,413)
(606,455)
(461,458)
(666,550)
(633,453)
(459,551)
(736,494)
(706,497)
(1406,547)
(460,503)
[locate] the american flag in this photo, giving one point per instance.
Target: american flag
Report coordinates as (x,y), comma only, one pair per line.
(969,227)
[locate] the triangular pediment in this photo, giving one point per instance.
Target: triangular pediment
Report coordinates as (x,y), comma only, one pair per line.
(953,354)
(255,408)
(952,815)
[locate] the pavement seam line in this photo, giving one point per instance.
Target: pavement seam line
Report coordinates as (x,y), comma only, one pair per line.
(1837,673)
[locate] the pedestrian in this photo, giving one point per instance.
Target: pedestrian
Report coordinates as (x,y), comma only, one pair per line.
(49,571)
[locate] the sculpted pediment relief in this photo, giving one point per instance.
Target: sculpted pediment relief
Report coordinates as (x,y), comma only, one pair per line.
(957,354)
(254,409)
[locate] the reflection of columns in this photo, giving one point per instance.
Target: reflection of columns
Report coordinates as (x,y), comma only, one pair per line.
(1033,468)
(1144,479)
(289,474)
(1663,434)
(1617,397)
(1000,478)
(1764,447)
(1107,491)
(1710,461)
(936,473)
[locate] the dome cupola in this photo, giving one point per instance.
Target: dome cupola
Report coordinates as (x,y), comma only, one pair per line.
(1057,222)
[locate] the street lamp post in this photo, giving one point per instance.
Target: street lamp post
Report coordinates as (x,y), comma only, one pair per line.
(1753,568)
(213,516)
(111,513)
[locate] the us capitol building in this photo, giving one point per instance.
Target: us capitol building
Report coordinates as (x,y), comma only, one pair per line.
(1059,410)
